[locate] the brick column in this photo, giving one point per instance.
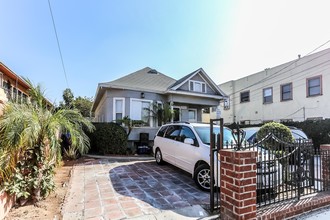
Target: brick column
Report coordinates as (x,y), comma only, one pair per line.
(238,177)
(325,162)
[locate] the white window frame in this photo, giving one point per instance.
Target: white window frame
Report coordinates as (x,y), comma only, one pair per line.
(114,107)
(194,110)
(141,100)
(202,84)
(264,95)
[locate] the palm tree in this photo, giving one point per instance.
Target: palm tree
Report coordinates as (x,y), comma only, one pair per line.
(162,113)
(30,143)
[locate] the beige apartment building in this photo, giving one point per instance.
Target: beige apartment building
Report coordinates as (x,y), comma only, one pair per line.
(294,91)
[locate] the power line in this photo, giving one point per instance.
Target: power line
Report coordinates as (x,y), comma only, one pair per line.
(321,65)
(279,71)
(58,44)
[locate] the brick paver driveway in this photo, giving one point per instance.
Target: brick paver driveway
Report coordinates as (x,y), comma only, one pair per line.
(114,189)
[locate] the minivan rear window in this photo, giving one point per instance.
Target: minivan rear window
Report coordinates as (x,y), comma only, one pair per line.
(161,131)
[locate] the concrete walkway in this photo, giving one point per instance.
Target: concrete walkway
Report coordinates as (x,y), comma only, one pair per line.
(132,188)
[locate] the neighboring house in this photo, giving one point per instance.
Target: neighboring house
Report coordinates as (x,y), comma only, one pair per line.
(295,91)
(13,87)
(132,94)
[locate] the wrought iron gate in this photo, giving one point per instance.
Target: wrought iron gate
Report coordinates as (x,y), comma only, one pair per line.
(216,142)
(285,170)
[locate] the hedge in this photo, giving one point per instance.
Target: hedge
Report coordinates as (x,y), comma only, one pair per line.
(108,138)
(318,131)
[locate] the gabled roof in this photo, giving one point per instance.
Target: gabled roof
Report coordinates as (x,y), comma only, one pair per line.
(203,74)
(146,79)
(150,80)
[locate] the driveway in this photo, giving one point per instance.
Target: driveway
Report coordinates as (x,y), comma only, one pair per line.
(117,188)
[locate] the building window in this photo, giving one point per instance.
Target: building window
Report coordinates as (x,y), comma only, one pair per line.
(192,115)
(141,110)
(118,108)
(197,86)
(206,110)
(226,104)
(314,86)
(245,96)
(267,95)
(286,92)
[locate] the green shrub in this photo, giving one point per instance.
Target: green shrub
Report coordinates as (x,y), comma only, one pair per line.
(280,131)
(108,138)
(318,131)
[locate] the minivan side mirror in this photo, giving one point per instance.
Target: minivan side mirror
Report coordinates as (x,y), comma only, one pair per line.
(189,141)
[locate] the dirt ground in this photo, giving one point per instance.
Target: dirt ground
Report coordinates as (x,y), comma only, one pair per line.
(50,208)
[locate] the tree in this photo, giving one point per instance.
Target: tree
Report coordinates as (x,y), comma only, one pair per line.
(68,98)
(84,105)
(162,113)
(31,147)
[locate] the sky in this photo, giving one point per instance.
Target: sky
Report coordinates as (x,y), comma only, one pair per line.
(103,40)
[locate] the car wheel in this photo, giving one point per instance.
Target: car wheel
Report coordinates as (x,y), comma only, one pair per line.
(159,157)
(202,177)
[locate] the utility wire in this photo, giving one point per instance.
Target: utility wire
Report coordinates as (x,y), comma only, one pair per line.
(279,71)
(58,44)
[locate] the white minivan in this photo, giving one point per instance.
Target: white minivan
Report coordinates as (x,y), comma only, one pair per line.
(187,146)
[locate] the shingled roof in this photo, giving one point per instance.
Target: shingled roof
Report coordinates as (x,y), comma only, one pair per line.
(146,79)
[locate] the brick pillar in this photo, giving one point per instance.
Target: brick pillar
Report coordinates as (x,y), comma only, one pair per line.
(238,177)
(325,161)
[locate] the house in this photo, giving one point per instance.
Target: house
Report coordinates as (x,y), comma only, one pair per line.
(13,87)
(133,94)
(294,91)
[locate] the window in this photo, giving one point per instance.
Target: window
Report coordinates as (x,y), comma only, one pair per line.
(197,86)
(192,115)
(139,110)
(314,86)
(187,133)
(19,96)
(226,104)
(267,95)
(245,96)
(173,132)
(161,131)
(286,92)
(176,114)
(206,110)
(119,106)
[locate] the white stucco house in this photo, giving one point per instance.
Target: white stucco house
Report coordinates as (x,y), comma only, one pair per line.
(294,91)
(132,94)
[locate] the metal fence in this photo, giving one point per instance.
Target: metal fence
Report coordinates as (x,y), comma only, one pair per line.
(285,170)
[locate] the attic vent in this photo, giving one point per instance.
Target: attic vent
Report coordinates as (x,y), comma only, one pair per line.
(152,71)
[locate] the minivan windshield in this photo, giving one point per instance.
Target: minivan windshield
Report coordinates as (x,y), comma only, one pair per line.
(204,134)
